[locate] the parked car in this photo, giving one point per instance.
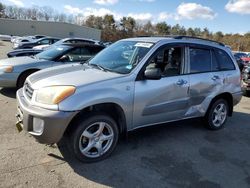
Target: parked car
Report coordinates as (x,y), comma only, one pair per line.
(67,40)
(17,40)
(245,84)
(242,59)
(14,71)
(5,37)
(246,59)
(14,38)
(131,84)
(38,36)
(23,52)
(45,40)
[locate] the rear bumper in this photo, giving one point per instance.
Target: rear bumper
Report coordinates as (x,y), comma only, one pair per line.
(47,126)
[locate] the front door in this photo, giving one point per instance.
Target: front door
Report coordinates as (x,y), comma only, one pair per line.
(165,99)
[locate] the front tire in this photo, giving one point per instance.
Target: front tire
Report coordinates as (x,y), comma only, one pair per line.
(217,115)
(94,139)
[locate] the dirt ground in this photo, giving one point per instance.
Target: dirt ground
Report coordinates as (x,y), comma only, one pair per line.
(5,47)
(182,154)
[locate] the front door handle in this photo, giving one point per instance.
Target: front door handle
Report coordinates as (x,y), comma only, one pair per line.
(181,82)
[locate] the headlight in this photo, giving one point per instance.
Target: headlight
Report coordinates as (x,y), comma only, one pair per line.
(54,94)
(7,68)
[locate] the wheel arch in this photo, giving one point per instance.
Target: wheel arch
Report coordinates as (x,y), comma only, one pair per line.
(226,96)
(31,70)
(114,110)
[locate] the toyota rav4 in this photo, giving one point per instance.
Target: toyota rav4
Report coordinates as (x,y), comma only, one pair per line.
(134,83)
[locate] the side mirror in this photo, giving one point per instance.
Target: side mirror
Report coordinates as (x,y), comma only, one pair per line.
(153,74)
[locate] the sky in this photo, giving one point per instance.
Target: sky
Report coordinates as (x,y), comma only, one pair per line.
(228,16)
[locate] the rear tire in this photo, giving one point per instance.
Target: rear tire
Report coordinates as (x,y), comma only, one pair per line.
(246,93)
(94,138)
(217,115)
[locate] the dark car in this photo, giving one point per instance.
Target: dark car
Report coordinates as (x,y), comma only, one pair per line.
(245,83)
(39,36)
(23,52)
(44,40)
(238,56)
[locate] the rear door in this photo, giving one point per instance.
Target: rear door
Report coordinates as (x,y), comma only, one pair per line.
(206,79)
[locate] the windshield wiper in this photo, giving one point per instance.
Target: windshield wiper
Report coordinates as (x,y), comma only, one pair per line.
(84,62)
(99,66)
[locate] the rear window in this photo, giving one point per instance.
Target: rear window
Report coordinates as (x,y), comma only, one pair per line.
(200,60)
(224,60)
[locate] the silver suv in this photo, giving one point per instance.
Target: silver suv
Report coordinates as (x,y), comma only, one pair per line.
(133,83)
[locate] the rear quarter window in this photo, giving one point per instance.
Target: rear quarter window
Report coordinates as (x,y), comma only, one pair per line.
(225,62)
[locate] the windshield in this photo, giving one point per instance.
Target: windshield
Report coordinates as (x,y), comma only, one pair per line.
(52,53)
(122,56)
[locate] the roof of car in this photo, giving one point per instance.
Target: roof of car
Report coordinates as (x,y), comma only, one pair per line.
(177,38)
(82,44)
(47,38)
(75,38)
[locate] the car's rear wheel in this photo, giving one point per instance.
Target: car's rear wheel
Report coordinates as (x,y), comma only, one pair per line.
(246,93)
(217,114)
(94,138)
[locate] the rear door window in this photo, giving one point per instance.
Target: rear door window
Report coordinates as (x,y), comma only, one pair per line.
(200,60)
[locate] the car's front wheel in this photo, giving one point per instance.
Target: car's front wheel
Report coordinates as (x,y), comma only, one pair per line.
(217,114)
(94,138)
(22,78)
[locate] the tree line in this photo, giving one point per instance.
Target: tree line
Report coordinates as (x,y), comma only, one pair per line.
(113,30)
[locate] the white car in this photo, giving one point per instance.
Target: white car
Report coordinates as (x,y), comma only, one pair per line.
(5,37)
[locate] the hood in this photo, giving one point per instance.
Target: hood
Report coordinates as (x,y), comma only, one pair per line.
(75,74)
(19,60)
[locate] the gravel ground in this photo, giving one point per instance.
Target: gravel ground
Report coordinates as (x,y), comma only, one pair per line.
(182,154)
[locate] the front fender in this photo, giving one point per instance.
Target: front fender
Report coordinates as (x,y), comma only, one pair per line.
(120,94)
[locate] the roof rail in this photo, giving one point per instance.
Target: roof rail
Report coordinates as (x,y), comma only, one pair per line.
(197,38)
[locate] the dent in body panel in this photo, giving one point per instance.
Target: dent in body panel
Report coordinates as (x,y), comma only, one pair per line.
(202,90)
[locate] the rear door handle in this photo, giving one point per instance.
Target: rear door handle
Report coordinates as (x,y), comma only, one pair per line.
(215,77)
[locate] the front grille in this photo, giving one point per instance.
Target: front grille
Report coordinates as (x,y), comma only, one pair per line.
(28,90)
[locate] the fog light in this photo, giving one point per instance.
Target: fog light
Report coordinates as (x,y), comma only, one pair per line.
(38,125)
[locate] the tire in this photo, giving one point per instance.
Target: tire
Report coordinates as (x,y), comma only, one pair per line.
(94,139)
(217,114)
(246,93)
(22,78)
